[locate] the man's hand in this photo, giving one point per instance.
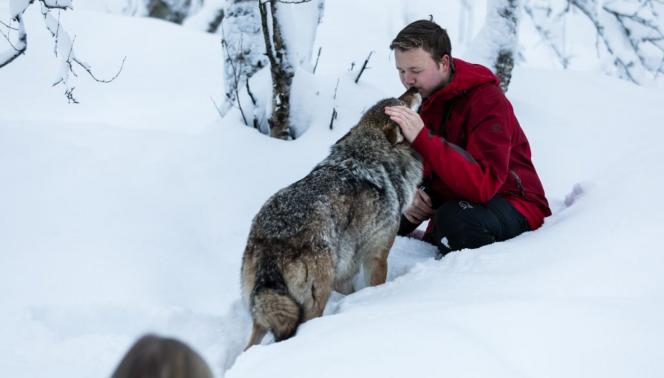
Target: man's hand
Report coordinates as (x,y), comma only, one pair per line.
(420,209)
(409,121)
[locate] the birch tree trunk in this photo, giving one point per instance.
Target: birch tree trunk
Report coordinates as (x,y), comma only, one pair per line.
(509,12)
(496,44)
(280,68)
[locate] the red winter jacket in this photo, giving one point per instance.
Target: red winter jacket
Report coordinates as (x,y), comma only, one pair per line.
(473,147)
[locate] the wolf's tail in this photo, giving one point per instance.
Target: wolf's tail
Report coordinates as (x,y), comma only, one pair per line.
(273,307)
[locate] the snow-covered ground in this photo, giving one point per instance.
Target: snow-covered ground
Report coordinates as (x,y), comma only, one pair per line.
(128,213)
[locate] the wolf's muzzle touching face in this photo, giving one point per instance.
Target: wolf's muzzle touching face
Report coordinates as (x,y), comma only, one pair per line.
(312,237)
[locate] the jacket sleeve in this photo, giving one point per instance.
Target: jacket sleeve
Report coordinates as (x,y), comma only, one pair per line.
(477,172)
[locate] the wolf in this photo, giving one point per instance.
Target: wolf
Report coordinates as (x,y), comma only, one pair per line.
(311,237)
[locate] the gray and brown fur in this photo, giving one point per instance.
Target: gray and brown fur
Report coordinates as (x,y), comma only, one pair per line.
(312,236)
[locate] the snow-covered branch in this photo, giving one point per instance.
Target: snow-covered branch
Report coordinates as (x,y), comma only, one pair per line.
(630,33)
(642,27)
(63,47)
(17,36)
(540,14)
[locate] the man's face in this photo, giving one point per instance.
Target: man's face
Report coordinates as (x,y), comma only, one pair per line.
(418,69)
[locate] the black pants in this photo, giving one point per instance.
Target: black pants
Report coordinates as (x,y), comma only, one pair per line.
(462,224)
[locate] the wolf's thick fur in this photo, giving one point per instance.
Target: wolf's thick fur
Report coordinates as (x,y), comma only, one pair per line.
(311,236)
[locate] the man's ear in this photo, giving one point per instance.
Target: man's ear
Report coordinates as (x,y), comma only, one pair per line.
(446,63)
(393,133)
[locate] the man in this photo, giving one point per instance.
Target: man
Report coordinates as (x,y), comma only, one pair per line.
(479,184)
(156,356)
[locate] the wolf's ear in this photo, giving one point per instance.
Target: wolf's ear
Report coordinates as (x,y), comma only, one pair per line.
(393,133)
(412,98)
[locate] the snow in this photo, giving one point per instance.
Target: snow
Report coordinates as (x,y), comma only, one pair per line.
(299,29)
(128,213)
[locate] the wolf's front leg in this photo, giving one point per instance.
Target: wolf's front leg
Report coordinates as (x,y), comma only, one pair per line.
(374,263)
(375,268)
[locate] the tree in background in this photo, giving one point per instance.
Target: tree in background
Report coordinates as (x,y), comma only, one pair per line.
(244,55)
(495,46)
(629,33)
(281,70)
(175,11)
(254,37)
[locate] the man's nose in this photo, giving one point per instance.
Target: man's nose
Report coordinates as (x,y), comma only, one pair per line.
(409,79)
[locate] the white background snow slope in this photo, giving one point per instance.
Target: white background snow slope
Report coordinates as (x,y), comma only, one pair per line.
(128,213)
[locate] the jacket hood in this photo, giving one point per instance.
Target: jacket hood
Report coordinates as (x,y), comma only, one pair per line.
(466,76)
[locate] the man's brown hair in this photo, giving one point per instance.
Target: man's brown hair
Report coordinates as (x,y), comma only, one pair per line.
(159,357)
(425,34)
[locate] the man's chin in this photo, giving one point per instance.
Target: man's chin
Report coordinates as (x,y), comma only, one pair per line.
(423,92)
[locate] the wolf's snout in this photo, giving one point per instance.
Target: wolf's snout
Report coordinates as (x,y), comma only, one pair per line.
(412,98)
(416,101)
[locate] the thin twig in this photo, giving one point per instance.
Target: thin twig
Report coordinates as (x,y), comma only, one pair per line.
(216,107)
(335,90)
(236,80)
(9,41)
(8,26)
(334,117)
(69,93)
(251,95)
(317,58)
(364,66)
(89,71)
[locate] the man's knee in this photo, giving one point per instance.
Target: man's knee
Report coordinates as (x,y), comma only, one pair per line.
(459,225)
